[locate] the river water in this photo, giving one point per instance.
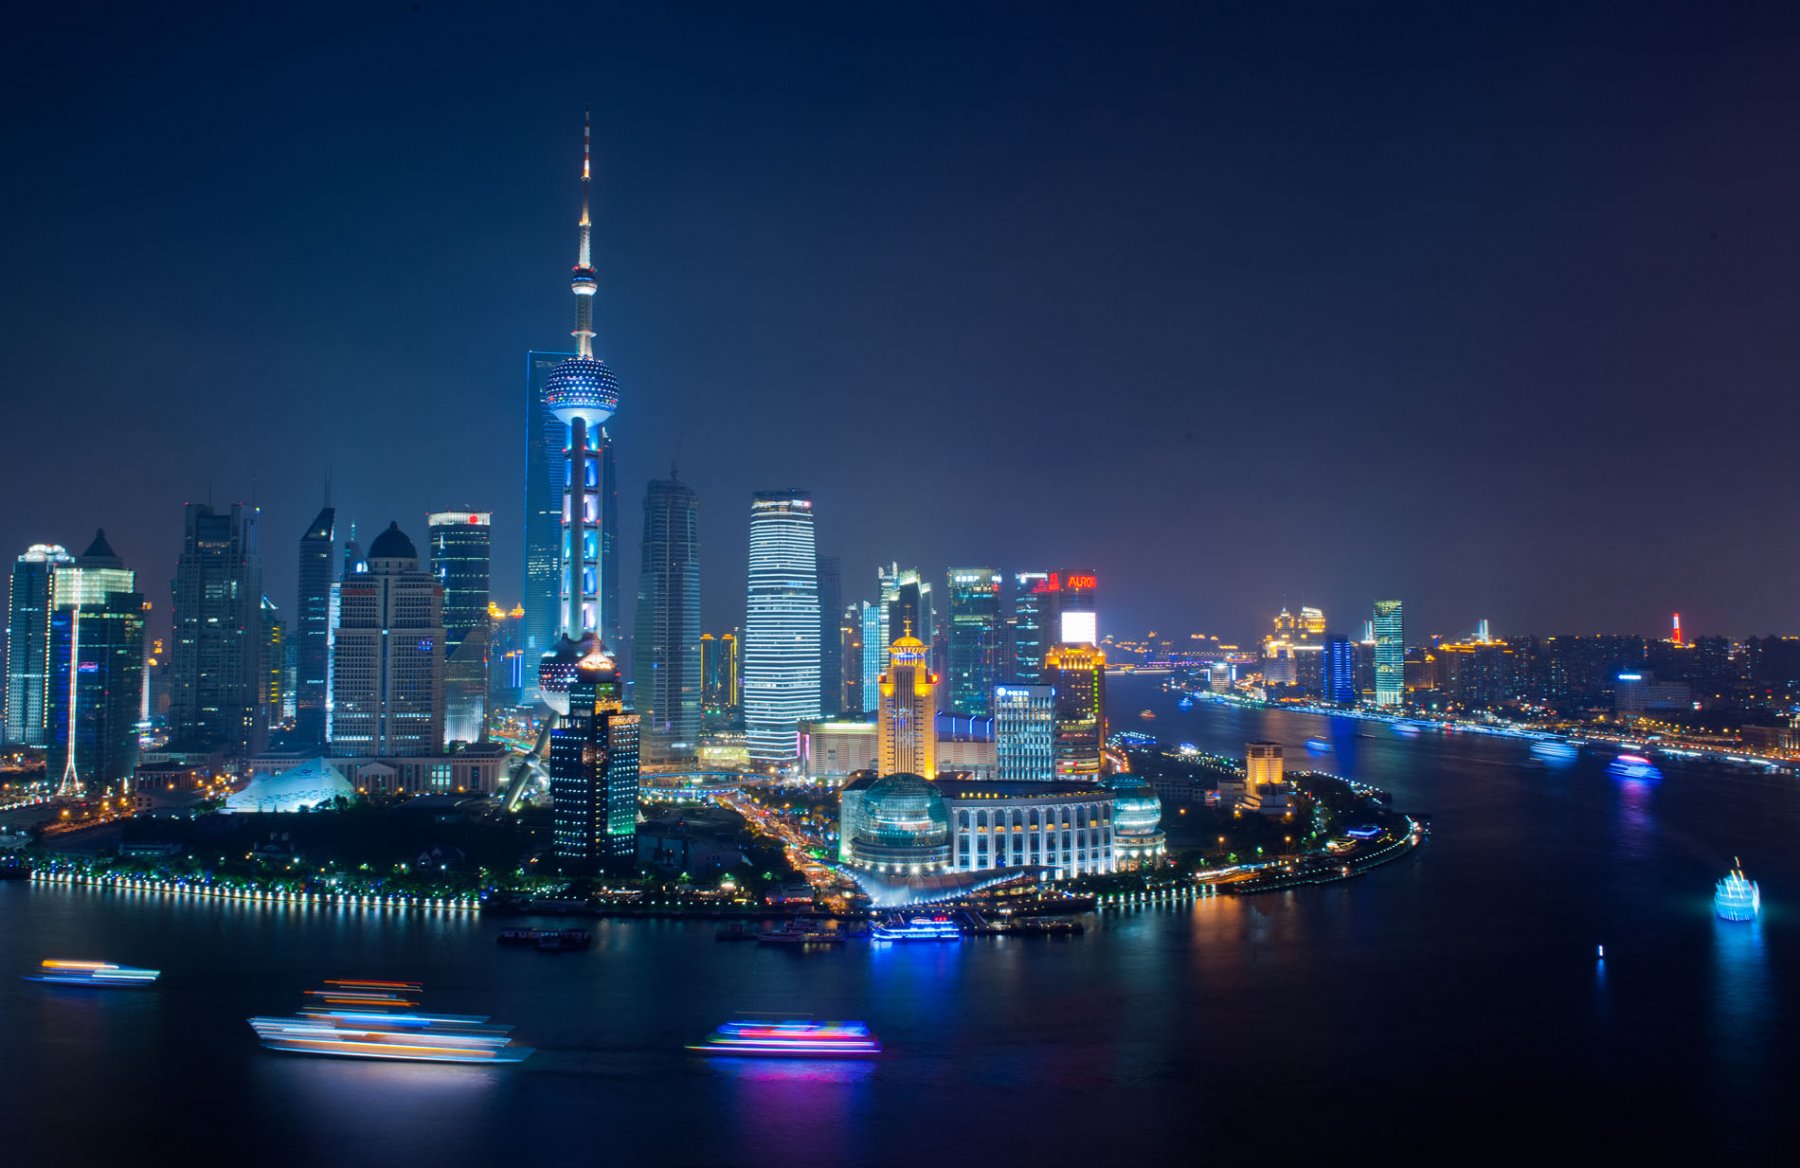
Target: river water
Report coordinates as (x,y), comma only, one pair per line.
(1446,1004)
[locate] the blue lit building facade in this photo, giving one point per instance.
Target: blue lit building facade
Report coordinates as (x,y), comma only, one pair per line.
(28,643)
(975,641)
(594,774)
(96,685)
(312,634)
(781,626)
(1338,681)
(1025,732)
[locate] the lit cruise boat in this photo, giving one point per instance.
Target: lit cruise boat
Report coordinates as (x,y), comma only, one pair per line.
(376,1020)
(936,928)
(790,1038)
(1737,897)
(100,974)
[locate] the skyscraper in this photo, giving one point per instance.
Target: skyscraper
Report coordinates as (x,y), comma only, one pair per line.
(273,668)
(781,626)
(974,639)
(1078,675)
(387,683)
(95,695)
(722,677)
(906,732)
(1025,732)
(312,661)
(460,561)
(1339,670)
(1027,629)
(216,678)
(582,394)
(546,470)
(831,648)
(594,773)
(666,654)
(1389,628)
(28,643)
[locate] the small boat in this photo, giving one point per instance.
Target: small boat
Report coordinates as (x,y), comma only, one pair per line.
(735,932)
(1737,898)
(800,932)
(1147,715)
(790,1038)
(94,974)
(1186,703)
(1318,745)
(934,928)
(374,1020)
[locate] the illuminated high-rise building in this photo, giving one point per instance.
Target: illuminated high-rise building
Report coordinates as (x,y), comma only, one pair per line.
(666,666)
(1027,628)
(874,653)
(1262,765)
(1077,673)
(28,643)
(581,393)
(1077,616)
(1339,669)
(1389,630)
(461,562)
(906,731)
(908,606)
(1025,732)
(312,634)
(387,681)
(274,663)
(975,639)
(546,472)
(849,646)
(781,626)
(95,696)
(216,678)
(594,772)
(1311,624)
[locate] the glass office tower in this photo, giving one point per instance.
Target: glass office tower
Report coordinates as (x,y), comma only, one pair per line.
(594,774)
(974,649)
(28,643)
(781,626)
(666,667)
(1389,629)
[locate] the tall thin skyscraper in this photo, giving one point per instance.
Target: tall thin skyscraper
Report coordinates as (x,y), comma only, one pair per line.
(666,654)
(216,678)
(95,694)
(1389,628)
(387,685)
(1030,635)
(781,626)
(582,394)
(1339,680)
(594,773)
(312,659)
(874,655)
(28,643)
(546,470)
(831,648)
(974,639)
(461,561)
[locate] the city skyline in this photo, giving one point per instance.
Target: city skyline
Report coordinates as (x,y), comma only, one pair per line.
(1510,410)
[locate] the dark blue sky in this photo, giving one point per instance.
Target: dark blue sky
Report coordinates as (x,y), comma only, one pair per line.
(1492,308)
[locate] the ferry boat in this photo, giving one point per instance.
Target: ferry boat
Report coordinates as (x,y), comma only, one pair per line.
(790,1038)
(1737,898)
(800,932)
(1186,703)
(933,928)
(94,974)
(374,1020)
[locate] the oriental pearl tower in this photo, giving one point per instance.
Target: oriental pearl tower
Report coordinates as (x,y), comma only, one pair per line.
(582,393)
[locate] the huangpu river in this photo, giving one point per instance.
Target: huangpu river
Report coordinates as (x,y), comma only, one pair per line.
(1449,1005)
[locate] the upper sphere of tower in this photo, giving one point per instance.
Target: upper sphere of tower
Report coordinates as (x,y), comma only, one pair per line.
(582,387)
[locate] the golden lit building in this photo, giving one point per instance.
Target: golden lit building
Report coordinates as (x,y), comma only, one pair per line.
(1078,674)
(906,736)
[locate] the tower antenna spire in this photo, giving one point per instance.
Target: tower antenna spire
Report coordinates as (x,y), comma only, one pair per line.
(584,284)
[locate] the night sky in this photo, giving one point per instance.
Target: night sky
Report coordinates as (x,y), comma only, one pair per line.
(1491,308)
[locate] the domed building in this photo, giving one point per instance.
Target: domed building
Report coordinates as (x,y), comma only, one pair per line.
(1137,822)
(897,824)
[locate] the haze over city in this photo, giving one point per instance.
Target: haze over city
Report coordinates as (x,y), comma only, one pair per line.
(1489,309)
